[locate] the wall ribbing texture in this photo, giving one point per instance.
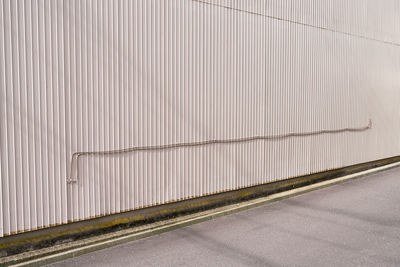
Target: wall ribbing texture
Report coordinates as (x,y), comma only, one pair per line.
(104,75)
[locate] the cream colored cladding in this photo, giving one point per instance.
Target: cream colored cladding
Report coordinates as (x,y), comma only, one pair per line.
(158,77)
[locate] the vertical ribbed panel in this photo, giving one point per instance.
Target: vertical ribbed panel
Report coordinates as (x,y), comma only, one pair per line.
(207,96)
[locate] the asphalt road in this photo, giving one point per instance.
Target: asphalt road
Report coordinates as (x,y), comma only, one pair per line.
(356,223)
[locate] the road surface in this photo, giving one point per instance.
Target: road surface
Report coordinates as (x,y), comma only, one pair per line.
(356,223)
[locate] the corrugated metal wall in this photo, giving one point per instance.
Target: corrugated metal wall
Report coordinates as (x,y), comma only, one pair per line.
(207,96)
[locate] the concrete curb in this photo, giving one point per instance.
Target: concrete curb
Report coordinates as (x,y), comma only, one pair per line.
(104,224)
(92,244)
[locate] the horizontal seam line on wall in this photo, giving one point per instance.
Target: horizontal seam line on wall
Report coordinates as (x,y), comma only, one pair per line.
(296,22)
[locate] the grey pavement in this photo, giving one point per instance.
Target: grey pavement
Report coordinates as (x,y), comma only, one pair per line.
(356,223)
